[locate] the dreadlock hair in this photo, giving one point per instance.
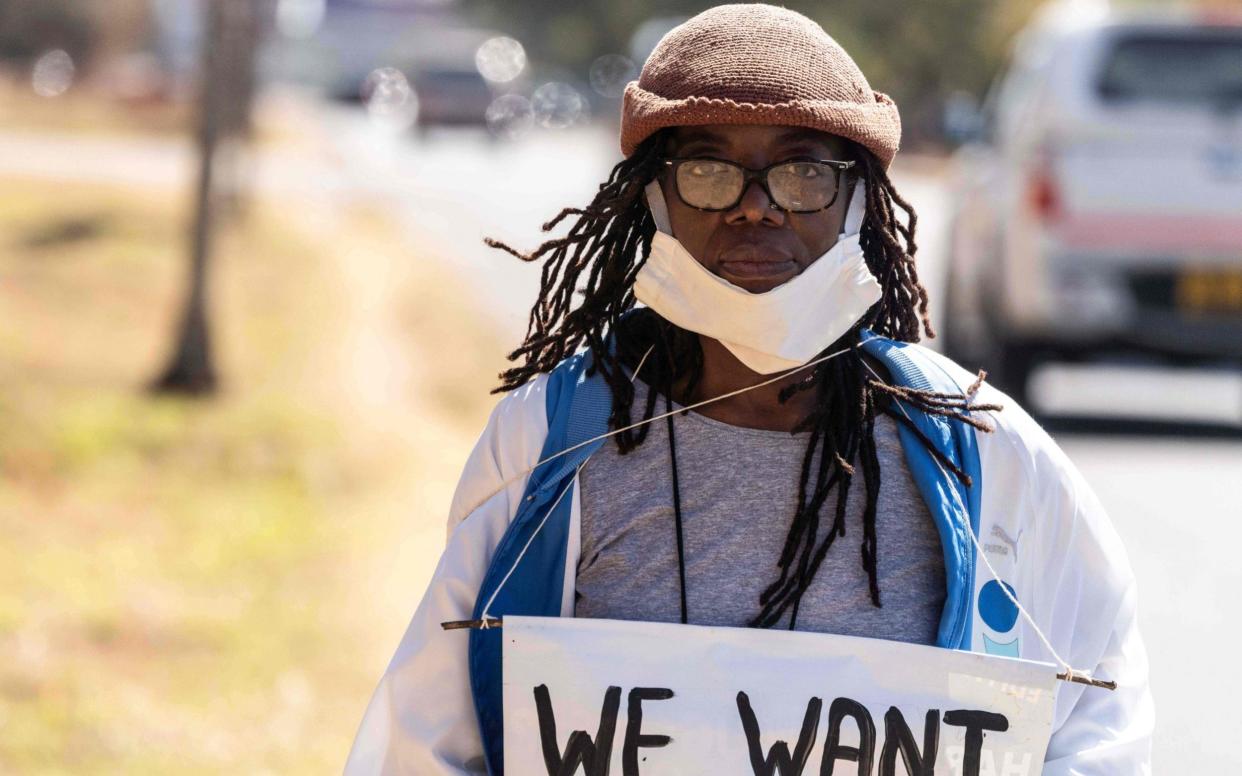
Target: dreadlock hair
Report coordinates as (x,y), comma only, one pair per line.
(600,257)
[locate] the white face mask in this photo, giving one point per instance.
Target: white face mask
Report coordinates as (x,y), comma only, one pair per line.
(769,332)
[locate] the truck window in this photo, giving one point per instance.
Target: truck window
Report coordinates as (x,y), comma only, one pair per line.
(1199,68)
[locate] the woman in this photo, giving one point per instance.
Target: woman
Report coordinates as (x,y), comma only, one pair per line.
(715,455)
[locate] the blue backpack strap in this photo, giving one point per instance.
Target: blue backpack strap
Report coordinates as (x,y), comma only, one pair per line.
(954,506)
(578,407)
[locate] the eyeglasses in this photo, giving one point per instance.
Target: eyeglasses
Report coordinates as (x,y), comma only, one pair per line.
(797,185)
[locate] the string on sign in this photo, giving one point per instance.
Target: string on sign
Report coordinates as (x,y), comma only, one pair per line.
(1067,673)
(486,622)
(519,475)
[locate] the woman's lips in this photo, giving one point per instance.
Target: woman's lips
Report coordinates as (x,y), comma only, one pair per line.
(753,262)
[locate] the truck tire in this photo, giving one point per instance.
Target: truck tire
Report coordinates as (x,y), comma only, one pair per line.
(1013,365)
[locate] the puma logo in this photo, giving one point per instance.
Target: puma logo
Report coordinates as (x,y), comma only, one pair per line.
(1003,535)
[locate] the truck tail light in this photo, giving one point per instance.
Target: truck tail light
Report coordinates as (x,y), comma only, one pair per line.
(1043,194)
(1219,15)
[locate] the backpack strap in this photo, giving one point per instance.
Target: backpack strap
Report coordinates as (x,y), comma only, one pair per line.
(954,506)
(527,572)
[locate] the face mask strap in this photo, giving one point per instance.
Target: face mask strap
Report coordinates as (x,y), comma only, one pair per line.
(856,210)
(658,207)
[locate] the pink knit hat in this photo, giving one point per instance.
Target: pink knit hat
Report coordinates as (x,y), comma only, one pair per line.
(753,63)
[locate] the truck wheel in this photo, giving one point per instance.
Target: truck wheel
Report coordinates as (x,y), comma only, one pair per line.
(1013,367)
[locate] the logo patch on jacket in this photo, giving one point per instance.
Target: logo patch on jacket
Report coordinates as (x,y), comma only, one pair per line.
(999,612)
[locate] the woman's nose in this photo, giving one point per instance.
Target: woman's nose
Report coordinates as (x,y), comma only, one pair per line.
(755,207)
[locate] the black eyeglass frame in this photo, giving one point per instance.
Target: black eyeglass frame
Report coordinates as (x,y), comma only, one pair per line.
(838,167)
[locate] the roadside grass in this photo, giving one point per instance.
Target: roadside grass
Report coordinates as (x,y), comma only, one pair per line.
(79,110)
(87,111)
(193,586)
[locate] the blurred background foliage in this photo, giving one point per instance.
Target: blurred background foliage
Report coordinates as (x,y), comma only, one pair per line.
(944,46)
(83,29)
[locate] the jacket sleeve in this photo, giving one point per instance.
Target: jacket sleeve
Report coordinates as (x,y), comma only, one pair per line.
(1108,732)
(1081,590)
(421,717)
(1099,732)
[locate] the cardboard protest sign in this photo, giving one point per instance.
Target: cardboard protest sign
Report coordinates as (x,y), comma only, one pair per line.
(595,697)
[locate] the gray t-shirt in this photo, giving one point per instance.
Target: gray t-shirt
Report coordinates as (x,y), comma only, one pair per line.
(739,488)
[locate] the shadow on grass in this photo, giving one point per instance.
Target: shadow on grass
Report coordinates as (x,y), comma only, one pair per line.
(65,230)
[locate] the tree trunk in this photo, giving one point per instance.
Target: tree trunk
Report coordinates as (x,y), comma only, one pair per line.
(230,37)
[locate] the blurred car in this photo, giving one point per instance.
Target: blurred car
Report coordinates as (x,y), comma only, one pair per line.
(446,93)
(450,95)
(361,43)
(1098,207)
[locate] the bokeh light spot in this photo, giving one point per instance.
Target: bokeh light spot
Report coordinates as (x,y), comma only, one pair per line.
(610,73)
(510,116)
(500,59)
(300,18)
(390,100)
(52,74)
(558,105)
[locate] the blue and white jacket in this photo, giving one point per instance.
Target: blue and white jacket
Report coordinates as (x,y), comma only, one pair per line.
(437,709)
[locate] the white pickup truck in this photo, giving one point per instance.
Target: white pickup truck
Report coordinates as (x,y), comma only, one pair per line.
(1098,204)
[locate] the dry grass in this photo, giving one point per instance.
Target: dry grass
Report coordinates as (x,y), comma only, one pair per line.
(80,110)
(85,110)
(213,586)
